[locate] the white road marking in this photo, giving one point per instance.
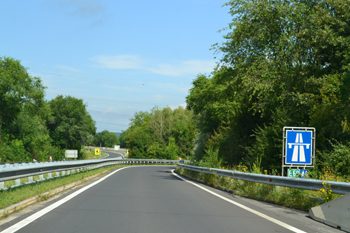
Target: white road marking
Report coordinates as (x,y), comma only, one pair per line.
(42,212)
(106,156)
(282,224)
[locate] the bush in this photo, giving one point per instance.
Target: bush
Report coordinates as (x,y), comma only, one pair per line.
(338,159)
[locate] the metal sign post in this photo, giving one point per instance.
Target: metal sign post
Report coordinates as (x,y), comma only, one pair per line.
(298,147)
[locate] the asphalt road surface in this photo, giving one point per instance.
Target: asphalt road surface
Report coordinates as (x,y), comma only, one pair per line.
(111,155)
(152,199)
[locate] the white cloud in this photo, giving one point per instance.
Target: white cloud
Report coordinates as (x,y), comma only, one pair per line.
(176,106)
(170,86)
(117,88)
(122,88)
(118,62)
(191,67)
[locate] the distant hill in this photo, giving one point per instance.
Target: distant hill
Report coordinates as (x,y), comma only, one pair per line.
(118,134)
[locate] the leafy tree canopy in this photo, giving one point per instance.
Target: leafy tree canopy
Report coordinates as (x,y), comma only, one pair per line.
(161,133)
(23,116)
(284,63)
(17,89)
(71,125)
(106,139)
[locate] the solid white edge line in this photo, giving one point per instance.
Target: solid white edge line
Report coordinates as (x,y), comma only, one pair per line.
(40,213)
(105,156)
(278,222)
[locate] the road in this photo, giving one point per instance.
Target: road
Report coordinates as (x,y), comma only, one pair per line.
(111,155)
(152,199)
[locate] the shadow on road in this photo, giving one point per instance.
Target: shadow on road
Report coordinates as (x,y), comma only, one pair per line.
(167,174)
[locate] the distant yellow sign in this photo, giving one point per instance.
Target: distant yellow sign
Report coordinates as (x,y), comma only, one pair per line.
(97,151)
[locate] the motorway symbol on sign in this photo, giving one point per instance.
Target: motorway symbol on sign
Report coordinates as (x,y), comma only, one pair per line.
(97,151)
(299,147)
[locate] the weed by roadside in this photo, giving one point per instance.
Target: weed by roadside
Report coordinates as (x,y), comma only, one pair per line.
(289,197)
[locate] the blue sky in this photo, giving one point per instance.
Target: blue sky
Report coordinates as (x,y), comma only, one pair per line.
(104,51)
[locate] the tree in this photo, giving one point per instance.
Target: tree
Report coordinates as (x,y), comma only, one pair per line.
(160,133)
(106,139)
(283,63)
(17,89)
(122,140)
(183,131)
(23,116)
(71,124)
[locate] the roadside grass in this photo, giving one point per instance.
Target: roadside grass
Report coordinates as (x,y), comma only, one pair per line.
(90,154)
(21,193)
(288,197)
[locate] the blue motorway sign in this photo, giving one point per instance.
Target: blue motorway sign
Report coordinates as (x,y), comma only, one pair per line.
(299,147)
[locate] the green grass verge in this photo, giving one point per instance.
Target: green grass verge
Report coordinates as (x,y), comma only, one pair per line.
(288,197)
(90,154)
(16,195)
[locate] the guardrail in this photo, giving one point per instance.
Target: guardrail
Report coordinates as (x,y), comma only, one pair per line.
(50,170)
(299,183)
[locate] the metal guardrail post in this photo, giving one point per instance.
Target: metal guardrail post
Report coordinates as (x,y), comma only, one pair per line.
(18,182)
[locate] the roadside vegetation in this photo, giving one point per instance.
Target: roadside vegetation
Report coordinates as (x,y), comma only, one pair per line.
(288,197)
(282,63)
(160,134)
(106,139)
(34,128)
(88,153)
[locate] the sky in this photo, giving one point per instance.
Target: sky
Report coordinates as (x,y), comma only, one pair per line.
(120,57)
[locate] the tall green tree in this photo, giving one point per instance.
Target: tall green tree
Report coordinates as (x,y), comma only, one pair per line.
(160,133)
(17,88)
(122,139)
(23,116)
(283,63)
(71,124)
(106,139)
